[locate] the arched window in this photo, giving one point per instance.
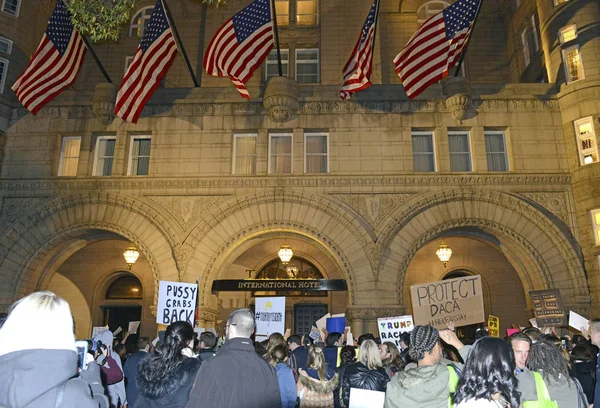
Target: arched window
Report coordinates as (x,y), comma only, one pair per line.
(297,268)
(139,21)
(430,9)
(125,287)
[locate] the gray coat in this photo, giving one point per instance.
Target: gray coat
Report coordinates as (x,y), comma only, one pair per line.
(32,379)
(564,391)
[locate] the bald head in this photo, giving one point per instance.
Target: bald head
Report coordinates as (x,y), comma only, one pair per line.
(240,324)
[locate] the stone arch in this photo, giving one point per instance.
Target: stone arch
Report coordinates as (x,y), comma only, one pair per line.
(543,256)
(33,240)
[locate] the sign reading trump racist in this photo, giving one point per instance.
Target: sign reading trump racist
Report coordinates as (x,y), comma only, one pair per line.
(457,300)
(176,302)
(548,308)
(391,328)
(270,316)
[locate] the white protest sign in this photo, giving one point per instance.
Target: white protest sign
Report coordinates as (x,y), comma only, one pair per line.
(360,398)
(314,333)
(119,330)
(133,327)
(176,302)
(98,330)
(457,300)
(322,324)
(390,328)
(578,322)
(533,322)
(270,316)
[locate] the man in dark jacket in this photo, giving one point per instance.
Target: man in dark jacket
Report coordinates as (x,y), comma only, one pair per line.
(130,368)
(208,343)
(333,343)
(236,377)
(300,352)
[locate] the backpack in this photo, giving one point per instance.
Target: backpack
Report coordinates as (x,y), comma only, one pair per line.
(544,400)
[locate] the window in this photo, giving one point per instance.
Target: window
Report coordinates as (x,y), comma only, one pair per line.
(526,51)
(307,66)
(280,153)
(568,33)
(282,8)
(559,2)
(430,9)
(586,140)
(596,225)
(423,152)
(11,7)
(139,156)
(460,151)
(307,12)
(573,64)
(104,155)
(272,66)
(69,156)
(316,153)
(244,154)
(128,60)
(5,45)
(495,148)
(3,73)
(139,22)
(125,287)
(535,34)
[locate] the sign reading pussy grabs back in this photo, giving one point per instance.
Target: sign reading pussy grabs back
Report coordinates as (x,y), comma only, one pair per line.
(457,300)
(176,302)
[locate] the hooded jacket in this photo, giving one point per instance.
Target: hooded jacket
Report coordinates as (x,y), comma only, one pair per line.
(116,391)
(237,377)
(172,390)
(359,376)
(32,378)
(422,386)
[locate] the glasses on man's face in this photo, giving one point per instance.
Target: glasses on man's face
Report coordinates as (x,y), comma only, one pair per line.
(230,324)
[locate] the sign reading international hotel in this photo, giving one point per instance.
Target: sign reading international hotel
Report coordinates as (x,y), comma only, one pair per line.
(304,285)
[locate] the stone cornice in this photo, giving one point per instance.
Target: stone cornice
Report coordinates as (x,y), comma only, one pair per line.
(11,187)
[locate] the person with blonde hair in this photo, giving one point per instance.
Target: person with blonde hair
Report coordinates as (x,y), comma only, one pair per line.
(316,384)
(366,374)
(38,356)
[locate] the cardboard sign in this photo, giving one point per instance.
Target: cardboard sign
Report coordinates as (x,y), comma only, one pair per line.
(548,308)
(314,333)
(98,330)
(457,300)
(494,326)
(133,327)
(390,328)
(578,322)
(176,302)
(270,316)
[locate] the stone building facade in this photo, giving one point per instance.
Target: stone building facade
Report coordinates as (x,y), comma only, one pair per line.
(502,162)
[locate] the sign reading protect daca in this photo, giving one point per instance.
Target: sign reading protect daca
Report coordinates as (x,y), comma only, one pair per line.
(457,300)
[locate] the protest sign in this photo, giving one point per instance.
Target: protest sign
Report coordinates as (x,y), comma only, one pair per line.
(322,324)
(176,302)
(494,326)
(360,398)
(98,330)
(457,300)
(578,322)
(390,328)
(270,316)
(533,322)
(548,308)
(314,333)
(133,327)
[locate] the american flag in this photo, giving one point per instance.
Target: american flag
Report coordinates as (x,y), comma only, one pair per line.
(149,65)
(358,69)
(436,47)
(55,64)
(241,44)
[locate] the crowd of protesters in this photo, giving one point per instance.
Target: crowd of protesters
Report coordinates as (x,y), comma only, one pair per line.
(426,368)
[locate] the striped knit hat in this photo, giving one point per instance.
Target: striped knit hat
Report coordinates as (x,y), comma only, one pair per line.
(422,340)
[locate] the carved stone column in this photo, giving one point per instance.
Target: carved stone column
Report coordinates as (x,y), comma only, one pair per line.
(104,102)
(457,91)
(281,99)
(364,319)
(207,317)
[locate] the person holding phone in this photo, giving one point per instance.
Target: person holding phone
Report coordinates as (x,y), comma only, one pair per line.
(39,358)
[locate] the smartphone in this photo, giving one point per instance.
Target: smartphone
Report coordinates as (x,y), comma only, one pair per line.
(563,344)
(82,348)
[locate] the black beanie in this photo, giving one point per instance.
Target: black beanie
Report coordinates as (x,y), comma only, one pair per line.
(422,340)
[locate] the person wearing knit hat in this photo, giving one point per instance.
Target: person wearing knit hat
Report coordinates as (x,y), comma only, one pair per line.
(425,384)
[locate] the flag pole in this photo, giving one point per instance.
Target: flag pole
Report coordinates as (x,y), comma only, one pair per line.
(180,44)
(91,50)
(375,28)
(462,56)
(276,29)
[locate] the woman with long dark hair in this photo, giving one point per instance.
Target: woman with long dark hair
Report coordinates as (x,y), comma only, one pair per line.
(166,377)
(391,358)
(488,379)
